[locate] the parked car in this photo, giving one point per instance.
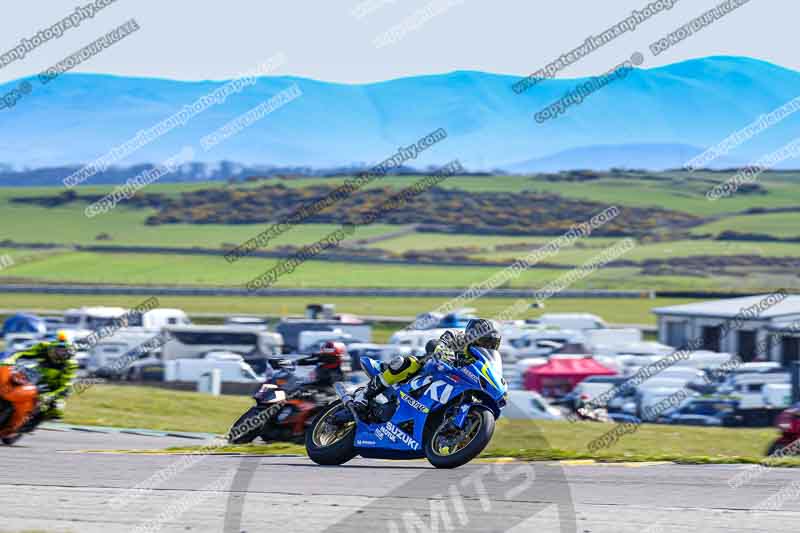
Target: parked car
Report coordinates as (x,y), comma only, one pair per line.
(538,342)
(530,405)
(704,412)
(646,400)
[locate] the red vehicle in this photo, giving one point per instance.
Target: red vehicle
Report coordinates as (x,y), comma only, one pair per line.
(18,401)
(788,422)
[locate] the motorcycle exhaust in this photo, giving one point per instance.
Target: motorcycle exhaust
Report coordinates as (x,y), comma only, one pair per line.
(347,399)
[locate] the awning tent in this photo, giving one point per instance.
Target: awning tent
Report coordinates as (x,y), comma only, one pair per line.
(559,376)
(24,323)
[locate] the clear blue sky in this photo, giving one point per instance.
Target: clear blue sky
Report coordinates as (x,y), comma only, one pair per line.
(324,39)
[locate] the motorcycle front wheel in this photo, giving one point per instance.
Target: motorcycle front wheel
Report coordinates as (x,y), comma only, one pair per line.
(248,427)
(451,447)
(9,441)
(329,442)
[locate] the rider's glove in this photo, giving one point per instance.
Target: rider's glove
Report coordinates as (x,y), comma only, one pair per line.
(445,353)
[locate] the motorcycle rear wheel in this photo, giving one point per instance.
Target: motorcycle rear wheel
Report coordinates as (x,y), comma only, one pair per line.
(477,432)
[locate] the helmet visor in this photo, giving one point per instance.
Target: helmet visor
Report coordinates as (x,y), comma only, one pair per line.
(490,342)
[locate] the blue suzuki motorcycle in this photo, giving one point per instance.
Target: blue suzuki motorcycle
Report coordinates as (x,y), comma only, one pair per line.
(445,414)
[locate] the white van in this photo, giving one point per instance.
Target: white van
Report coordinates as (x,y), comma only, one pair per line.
(749,388)
(416,340)
(193,369)
(163,317)
(777,395)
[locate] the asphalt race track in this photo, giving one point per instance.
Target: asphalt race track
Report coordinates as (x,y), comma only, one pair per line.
(51,483)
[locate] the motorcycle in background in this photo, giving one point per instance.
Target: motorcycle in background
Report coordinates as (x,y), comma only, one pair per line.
(19,398)
(285,407)
(788,422)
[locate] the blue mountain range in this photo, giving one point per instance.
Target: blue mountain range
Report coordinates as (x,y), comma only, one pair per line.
(654,118)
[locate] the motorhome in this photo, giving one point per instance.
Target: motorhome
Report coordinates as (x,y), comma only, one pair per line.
(255,344)
(88,319)
(311,341)
(110,357)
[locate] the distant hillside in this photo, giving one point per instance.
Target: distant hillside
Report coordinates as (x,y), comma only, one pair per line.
(654,118)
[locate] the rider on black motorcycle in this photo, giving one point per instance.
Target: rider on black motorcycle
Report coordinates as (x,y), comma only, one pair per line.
(452,348)
(328,369)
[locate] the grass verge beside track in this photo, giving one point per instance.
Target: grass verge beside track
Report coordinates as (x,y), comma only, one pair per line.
(127,406)
(153,408)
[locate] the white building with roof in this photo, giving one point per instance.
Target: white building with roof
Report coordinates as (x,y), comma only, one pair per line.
(763,327)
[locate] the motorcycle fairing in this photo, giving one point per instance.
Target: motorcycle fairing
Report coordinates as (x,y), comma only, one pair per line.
(370,365)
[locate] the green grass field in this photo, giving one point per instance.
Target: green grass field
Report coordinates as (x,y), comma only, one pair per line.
(613,310)
(156,269)
(136,407)
(68,225)
(125,226)
(583,250)
(775,224)
(683,193)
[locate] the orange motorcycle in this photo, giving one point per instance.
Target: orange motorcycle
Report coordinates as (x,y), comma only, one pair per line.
(18,401)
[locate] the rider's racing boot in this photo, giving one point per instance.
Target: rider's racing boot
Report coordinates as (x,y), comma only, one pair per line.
(366,394)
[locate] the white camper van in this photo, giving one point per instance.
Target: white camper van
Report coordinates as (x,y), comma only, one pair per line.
(231,370)
(415,339)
